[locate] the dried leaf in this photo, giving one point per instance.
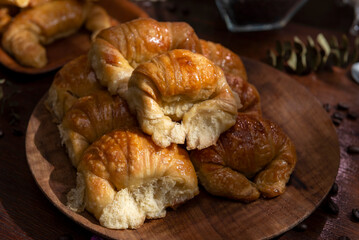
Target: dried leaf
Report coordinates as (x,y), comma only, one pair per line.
(292,61)
(323,43)
(272,58)
(301,50)
(345,48)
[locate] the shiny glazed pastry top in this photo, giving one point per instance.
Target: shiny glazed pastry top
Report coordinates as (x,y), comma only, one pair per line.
(182,96)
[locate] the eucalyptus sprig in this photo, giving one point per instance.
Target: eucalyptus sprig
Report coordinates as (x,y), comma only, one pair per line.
(301,57)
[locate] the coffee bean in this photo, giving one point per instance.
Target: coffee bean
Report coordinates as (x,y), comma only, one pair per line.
(17,132)
(332,207)
(343,238)
(334,190)
(1,133)
(326,106)
(352,115)
(355,214)
(338,115)
(342,106)
(65,237)
(353,149)
(336,122)
(302,227)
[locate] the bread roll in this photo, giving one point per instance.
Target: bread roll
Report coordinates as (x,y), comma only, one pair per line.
(124,178)
(253,157)
(182,96)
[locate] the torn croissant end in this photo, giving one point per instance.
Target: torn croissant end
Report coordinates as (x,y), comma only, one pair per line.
(124,178)
(182,96)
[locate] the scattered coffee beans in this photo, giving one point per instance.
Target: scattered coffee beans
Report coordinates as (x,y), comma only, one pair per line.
(343,238)
(342,106)
(332,207)
(355,214)
(338,115)
(326,106)
(302,227)
(353,149)
(65,237)
(334,190)
(336,122)
(352,115)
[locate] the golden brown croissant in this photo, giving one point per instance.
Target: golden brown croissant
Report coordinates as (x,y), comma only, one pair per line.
(91,117)
(5,18)
(74,80)
(18,3)
(230,62)
(248,94)
(118,50)
(42,25)
(124,178)
(182,86)
(253,148)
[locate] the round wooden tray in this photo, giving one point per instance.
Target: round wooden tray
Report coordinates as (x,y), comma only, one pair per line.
(207,217)
(66,49)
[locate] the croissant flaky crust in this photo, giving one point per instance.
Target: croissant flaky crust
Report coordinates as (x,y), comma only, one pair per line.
(118,50)
(134,178)
(41,25)
(182,86)
(74,80)
(254,148)
(91,117)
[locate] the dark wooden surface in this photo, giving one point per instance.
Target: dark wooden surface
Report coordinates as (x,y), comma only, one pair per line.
(25,212)
(205,216)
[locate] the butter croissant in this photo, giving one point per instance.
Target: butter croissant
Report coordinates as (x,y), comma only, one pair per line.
(74,80)
(41,25)
(181,96)
(124,178)
(18,3)
(118,50)
(91,117)
(253,157)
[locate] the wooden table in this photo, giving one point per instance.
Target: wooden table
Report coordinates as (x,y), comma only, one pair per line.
(25,213)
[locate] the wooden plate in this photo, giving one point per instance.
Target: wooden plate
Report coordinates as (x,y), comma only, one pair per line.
(207,217)
(63,50)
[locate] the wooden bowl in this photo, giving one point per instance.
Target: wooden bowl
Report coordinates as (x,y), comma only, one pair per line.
(208,217)
(63,50)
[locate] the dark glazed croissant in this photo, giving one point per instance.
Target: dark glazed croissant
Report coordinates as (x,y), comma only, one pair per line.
(253,148)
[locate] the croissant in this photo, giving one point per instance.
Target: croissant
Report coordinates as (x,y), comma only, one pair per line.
(18,3)
(118,50)
(41,25)
(91,117)
(135,178)
(74,80)
(248,94)
(254,148)
(5,18)
(182,86)
(230,62)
